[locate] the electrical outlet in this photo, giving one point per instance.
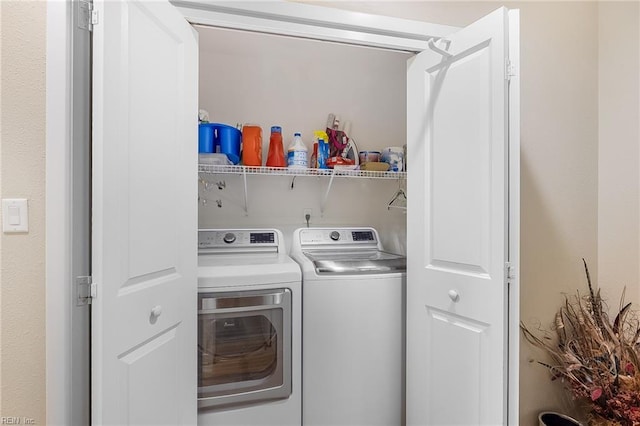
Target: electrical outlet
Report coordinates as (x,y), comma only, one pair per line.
(306,212)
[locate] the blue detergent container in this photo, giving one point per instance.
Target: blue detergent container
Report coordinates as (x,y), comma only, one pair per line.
(218,137)
(205,138)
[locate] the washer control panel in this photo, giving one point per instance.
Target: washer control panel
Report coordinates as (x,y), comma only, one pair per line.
(322,236)
(230,238)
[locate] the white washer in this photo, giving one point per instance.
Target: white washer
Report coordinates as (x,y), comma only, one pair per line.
(353,338)
(249,329)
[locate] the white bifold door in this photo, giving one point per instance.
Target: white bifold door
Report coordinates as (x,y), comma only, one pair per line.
(458,227)
(144,215)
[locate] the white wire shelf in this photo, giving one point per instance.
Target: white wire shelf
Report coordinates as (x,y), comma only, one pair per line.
(278,171)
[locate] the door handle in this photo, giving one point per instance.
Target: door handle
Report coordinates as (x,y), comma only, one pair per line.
(156,311)
(453,295)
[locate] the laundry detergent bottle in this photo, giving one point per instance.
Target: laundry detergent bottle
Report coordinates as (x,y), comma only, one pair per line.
(251,145)
(275,158)
(297,157)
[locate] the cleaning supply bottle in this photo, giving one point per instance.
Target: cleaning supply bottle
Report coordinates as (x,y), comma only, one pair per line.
(275,158)
(297,153)
(323,154)
(251,145)
(313,161)
(321,149)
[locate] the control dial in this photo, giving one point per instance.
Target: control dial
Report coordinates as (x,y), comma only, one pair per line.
(334,235)
(229,237)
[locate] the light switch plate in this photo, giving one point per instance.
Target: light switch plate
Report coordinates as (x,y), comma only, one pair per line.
(15,215)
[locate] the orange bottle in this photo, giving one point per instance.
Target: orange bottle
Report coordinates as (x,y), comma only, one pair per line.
(251,145)
(276,149)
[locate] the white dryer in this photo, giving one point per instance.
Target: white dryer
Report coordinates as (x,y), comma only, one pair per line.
(353,339)
(249,329)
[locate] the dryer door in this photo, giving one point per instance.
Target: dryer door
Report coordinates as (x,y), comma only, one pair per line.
(244,347)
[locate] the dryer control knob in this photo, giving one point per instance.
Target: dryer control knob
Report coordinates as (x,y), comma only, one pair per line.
(334,235)
(229,237)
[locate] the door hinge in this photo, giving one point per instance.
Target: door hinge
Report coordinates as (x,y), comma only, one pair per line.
(510,70)
(86,290)
(508,272)
(87,16)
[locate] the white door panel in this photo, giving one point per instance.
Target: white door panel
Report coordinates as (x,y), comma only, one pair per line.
(458,229)
(144,215)
(459,169)
(452,366)
(144,387)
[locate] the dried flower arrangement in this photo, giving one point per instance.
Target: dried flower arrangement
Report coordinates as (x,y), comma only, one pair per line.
(597,360)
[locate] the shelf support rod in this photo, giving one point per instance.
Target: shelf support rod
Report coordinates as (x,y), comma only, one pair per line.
(244,178)
(326,194)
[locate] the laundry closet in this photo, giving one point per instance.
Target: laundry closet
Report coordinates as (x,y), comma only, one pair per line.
(451,95)
(273,80)
(253,79)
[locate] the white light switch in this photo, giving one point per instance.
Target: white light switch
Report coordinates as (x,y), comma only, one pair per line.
(15,215)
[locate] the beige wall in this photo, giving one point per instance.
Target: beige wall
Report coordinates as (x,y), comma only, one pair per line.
(22,172)
(560,180)
(618,153)
(559,176)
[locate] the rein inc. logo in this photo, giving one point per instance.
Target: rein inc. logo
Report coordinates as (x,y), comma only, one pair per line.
(8,420)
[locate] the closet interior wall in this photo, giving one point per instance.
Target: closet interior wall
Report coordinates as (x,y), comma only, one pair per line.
(254,78)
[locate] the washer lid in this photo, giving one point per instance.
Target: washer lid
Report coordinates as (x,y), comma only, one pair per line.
(356,262)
